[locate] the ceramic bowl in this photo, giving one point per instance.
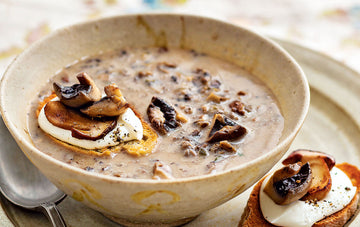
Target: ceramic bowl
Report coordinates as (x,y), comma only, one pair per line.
(134,201)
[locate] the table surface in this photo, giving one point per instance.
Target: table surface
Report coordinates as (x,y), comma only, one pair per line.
(331,27)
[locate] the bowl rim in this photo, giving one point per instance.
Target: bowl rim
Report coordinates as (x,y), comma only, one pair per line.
(287,140)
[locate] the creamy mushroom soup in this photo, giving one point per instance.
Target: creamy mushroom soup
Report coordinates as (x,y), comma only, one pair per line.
(200,115)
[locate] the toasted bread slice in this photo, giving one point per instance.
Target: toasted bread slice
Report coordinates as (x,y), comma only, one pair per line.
(137,148)
(252,215)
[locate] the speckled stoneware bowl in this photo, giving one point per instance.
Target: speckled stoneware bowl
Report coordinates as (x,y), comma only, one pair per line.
(133,201)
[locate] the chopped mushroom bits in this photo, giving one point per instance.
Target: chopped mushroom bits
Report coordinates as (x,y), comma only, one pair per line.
(197,114)
(161,171)
(81,127)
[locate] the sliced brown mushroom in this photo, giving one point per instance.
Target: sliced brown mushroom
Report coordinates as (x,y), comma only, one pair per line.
(287,171)
(112,105)
(78,95)
(302,154)
(320,164)
(225,129)
(161,171)
(189,149)
(289,183)
(162,116)
(81,126)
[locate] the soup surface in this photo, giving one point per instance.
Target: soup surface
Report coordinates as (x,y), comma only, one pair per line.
(200,88)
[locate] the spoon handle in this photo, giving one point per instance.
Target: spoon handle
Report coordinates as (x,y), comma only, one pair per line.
(53,214)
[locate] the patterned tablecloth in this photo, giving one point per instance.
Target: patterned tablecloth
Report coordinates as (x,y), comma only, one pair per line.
(331,27)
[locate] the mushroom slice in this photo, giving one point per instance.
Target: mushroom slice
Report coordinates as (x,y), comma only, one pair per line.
(225,129)
(114,104)
(301,154)
(162,116)
(289,183)
(161,171)
(321,182)
(80,126)
(78,95)
(320,164)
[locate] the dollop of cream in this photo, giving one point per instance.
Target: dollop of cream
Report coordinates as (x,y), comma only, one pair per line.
(304,213)
(128,128)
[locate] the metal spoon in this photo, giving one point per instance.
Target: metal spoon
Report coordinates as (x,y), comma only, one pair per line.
(23,184)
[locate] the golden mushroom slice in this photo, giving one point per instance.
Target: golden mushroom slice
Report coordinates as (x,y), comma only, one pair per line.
(112,105)
(289,183)
(78,95)
(81,126)
(320,164)
(304,155)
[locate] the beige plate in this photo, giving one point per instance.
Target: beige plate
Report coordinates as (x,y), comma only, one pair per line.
(332,125)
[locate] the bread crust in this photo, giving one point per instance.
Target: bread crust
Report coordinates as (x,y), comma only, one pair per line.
(252,215)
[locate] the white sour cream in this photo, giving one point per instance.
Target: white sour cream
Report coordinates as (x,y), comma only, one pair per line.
(301,213)
(128,128)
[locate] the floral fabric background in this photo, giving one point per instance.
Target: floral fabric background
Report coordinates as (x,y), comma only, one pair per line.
(331,27)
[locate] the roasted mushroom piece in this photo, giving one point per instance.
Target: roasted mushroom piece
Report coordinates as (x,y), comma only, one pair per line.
(301,154)
(113,104)
(161,171)
(162,116)
(81,126)
(289,183)
(225,129)
(78,95)
(320,164)
(237,107)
